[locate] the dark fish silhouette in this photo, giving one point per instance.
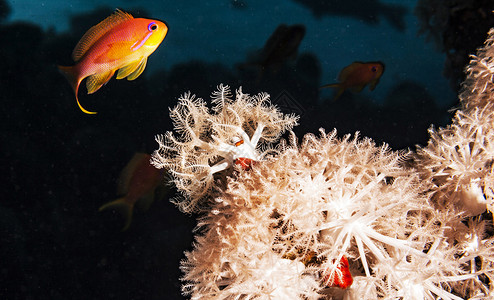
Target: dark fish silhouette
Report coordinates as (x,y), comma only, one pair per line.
(369,11)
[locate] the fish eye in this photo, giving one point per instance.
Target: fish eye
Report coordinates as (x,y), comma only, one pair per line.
(152,26)
(374,69)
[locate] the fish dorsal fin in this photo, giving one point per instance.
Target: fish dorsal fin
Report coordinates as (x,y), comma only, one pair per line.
(348,70)
(97,31)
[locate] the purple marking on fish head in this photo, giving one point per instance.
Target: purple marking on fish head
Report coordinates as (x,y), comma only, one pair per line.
(152,26)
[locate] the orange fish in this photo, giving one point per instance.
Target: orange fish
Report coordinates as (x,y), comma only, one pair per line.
(138,181)
(356,76)
(119,42)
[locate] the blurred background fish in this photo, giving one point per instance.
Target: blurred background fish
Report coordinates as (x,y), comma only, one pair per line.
(281,47)
(138,182)
(119,42)
(368,11)
(356,76)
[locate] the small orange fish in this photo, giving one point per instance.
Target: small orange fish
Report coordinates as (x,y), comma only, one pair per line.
(356,76)
(138,181)
(119,42)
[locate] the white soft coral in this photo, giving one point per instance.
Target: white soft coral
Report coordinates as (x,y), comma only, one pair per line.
(458,160)
(311,206)
(283,228)
(212,141)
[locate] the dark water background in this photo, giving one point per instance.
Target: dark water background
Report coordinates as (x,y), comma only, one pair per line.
(59,165)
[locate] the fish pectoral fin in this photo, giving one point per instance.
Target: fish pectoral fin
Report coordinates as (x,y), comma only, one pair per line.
(96,81)
(374,84)
(139,70)
(123,207)
(128,69)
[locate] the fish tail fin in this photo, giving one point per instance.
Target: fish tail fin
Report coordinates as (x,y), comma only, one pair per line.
(123,207)
(334,85)
(74,80)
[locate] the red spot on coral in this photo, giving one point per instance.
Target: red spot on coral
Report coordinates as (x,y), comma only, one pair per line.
(244,163)
(341,278)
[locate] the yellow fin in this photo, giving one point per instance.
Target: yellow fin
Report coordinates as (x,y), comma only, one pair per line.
(97,31)
(74,80)
(123,207)
(128,69)
(96,81)
(139,70)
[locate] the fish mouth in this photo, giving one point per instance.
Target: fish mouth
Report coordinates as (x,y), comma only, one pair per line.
(163,32)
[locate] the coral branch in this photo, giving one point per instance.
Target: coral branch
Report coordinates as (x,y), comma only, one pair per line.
(210,142)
